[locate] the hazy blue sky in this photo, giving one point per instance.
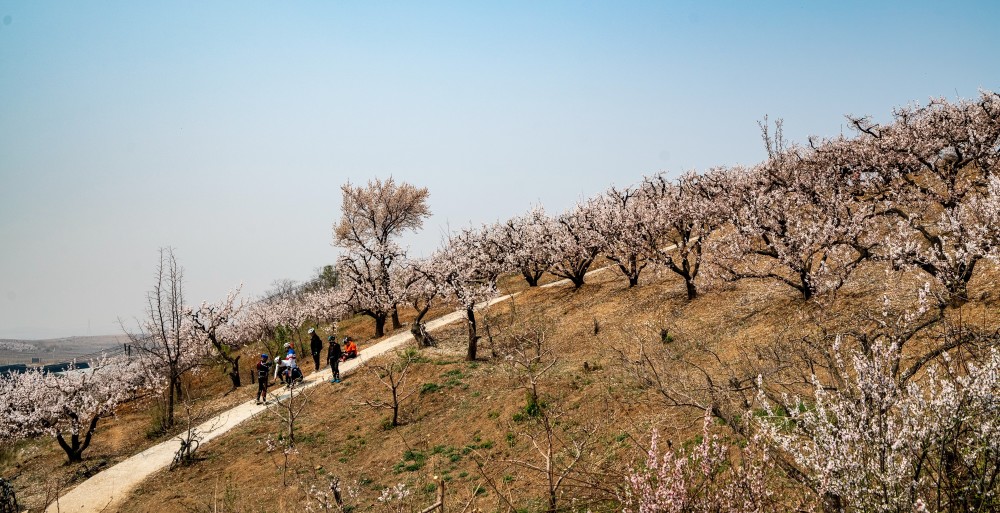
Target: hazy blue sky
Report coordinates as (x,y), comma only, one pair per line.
(224,129)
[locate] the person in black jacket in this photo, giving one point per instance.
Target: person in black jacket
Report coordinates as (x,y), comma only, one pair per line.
(333,357)
(315,346)
(263,369)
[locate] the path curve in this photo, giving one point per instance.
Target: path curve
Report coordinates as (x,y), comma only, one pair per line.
(105,491)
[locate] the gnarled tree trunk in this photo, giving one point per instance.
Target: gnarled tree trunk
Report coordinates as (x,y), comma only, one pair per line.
(470,315)
(74,449)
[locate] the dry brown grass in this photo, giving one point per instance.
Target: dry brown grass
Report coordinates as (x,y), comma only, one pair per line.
(470,408)
(467,411)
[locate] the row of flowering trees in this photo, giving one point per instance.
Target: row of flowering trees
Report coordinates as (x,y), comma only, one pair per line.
(921,192)
(887,419)
(631,227)
(892,410)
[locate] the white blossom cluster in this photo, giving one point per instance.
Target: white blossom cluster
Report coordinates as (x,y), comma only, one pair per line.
(880,445)
(16,346)
(393,499)
(66,405)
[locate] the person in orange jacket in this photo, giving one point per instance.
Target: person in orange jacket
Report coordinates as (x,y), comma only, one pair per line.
(350,349)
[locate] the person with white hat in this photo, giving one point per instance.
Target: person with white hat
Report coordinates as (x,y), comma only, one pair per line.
(315,346)
(292,371)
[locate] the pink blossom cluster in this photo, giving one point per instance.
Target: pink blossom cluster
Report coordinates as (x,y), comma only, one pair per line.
(704,478)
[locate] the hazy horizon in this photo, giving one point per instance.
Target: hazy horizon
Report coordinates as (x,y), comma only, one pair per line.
(225,130)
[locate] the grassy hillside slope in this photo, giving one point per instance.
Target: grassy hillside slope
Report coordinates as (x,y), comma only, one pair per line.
(472,423)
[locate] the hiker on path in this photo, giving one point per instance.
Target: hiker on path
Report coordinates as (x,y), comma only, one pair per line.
(281,363)
(350,349)
(333,355)
(279,369)
(263,369)
(315,346)
(292,371)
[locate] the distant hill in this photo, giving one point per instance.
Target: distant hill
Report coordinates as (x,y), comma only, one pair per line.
(56,350)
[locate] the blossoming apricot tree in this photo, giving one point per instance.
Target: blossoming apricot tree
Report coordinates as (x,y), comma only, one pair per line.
(67,405)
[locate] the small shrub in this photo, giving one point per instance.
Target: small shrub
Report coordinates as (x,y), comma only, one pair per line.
(316,439)
(534,407)
(412,461)
(453,378)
